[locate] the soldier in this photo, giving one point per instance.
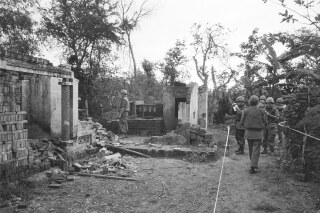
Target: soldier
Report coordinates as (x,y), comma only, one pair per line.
(262,105)
(238,109)
(280,107)
(271,130)
(124,112)
(262,102)
(254,120)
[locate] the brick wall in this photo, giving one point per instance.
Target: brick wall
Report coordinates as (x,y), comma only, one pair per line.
(15,155)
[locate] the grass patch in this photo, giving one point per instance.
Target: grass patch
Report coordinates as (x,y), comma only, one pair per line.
(21,189)
(264,206)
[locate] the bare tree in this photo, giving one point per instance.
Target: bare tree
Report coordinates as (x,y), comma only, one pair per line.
(130,16)
(208,44)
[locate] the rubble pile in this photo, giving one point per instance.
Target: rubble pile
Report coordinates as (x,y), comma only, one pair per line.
(48,151)
(103,136)
(106,162)
(196,157)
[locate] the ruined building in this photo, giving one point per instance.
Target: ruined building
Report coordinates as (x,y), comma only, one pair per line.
(35,92)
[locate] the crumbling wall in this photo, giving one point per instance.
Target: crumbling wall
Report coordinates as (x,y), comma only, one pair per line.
(14,153)
(200,135)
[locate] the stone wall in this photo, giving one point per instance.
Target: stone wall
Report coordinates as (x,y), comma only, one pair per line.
(200,135)
(42,96)
(14,147)
(149,127)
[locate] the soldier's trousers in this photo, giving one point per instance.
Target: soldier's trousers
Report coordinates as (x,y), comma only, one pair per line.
(254,151)
(240,138)
(280,134)
(269,141)
(123,123)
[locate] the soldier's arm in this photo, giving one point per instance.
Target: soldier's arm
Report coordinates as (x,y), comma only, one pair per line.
(242,118)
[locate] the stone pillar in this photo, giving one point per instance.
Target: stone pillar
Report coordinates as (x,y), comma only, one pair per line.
(66,107)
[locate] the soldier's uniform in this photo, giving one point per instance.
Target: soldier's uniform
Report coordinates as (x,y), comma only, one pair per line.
(271,130)
(240,130)
(262,105)
(254,121)
(281,107)
(124,113)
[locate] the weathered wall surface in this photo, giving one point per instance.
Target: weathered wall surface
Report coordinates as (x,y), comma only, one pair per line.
(182,114)
(55,107)
(75,103)
(170,121)
(40,101)
(193,103)
(203,106)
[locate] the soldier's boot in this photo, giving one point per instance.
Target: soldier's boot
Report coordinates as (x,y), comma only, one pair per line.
(253,170)
(264,151)
(240,151)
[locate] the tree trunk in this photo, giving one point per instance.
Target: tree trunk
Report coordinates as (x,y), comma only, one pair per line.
(132,56)
(215,91)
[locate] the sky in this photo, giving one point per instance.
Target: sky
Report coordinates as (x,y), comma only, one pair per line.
(172,19)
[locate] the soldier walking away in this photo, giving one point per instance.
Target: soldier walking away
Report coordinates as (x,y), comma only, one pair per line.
(124,113)
(254,120)
(281,108)
(238,108)
(271,130)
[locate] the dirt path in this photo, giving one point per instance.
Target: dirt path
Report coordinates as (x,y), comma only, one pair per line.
(171,185)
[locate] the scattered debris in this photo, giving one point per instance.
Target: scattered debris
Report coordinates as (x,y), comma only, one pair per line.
(48,150)
(127,151)
(196,157)
(106,177)
(168,139)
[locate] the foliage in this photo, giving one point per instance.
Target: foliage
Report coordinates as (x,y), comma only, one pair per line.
(224,107)
(147,88)
(292,12)
(173,61)
(86,29)
(148,67)
(17,27)
(130,18)
(102,94)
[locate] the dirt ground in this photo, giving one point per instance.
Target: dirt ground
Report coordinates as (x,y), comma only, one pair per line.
(173,185)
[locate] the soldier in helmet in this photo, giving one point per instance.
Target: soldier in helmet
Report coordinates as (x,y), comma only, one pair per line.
(238,108)
(262,105)
(124,112)
(271,130)
(280,107)
(262,102)
(254,121)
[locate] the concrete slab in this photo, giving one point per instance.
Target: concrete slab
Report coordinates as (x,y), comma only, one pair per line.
(138,144)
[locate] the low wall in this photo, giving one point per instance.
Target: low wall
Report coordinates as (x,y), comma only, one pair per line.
(149,127)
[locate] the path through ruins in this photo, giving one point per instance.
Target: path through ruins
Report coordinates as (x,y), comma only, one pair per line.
(172,185)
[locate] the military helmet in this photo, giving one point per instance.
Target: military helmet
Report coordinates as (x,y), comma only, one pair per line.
(270,100)
(124,92)
(262,97)
(240,99)
(280,101)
